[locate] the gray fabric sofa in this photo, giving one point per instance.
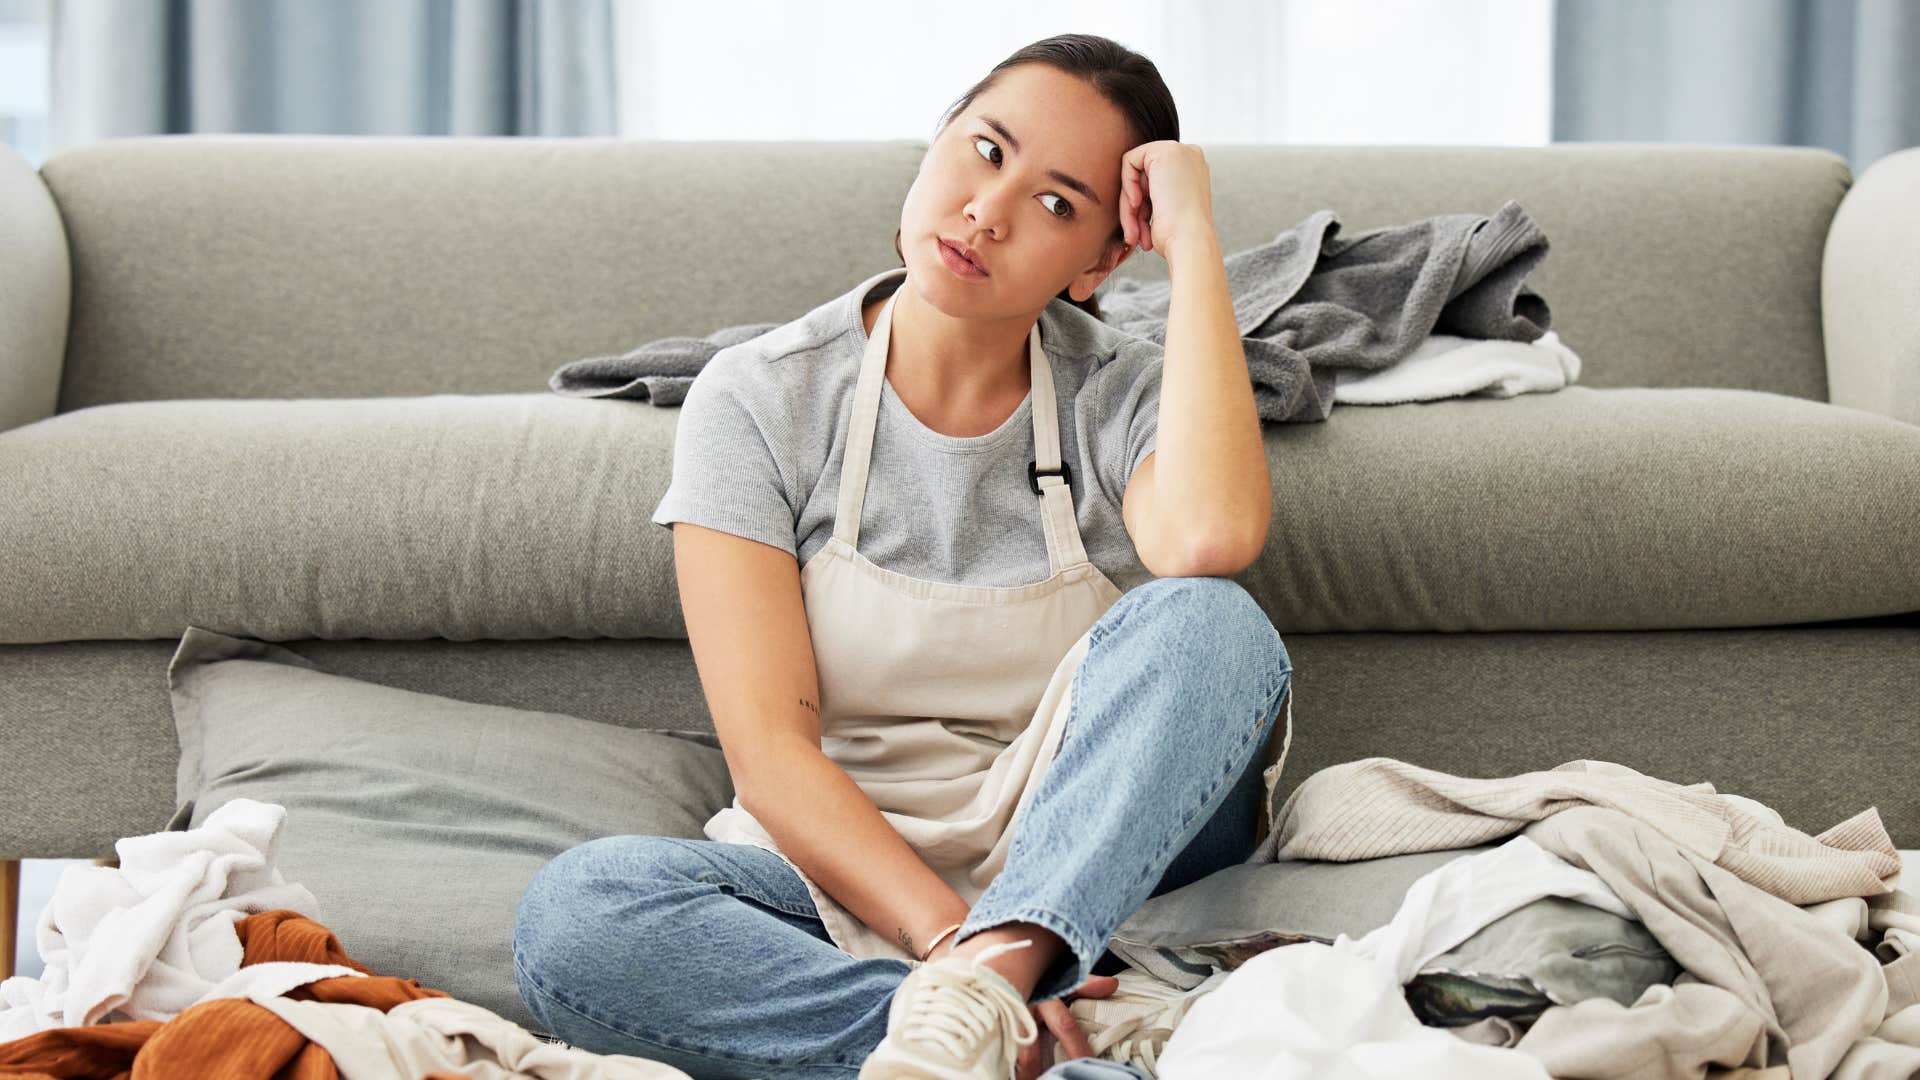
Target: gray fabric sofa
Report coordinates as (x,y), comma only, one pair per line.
(294,388)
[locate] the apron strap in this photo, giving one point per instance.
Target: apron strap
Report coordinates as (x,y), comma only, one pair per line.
(1064,548)
(1049,475)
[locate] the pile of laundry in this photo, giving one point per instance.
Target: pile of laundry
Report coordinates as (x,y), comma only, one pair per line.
(1768,952)
(195,958)
(1779,954)
(1437,307)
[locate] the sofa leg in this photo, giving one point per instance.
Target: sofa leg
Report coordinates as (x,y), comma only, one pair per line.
(9,914)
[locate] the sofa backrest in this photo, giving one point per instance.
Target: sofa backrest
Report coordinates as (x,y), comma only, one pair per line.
(373,266)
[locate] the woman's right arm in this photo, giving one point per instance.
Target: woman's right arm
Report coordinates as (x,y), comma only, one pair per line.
(747,624)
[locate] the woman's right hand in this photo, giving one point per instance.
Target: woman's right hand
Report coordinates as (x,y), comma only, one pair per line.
(1055,1021)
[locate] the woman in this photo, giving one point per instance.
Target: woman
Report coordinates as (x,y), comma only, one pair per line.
(962,755)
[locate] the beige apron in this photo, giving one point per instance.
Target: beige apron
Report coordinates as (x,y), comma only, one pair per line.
(944,702)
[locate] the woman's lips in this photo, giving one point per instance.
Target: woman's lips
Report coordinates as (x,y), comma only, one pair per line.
(958,265)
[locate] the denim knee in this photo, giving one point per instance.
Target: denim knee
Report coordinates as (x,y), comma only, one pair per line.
(1217,627)
(556,917)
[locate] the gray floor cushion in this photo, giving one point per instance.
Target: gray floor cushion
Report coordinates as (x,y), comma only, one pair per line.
(417,820)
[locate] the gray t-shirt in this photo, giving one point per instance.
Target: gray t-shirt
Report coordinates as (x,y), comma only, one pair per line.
(762,433)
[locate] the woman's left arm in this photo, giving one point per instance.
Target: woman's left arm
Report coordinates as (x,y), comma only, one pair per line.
(1211,483)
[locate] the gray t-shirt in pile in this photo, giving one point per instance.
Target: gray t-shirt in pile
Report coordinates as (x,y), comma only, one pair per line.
(762,433)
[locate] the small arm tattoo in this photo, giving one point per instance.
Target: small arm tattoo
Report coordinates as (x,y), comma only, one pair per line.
(810,705)
(906,942)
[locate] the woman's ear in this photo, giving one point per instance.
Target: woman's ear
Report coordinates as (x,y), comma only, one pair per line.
(1110,260)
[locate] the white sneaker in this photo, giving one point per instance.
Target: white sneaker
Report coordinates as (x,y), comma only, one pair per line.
(954,1019)
(1132,1024)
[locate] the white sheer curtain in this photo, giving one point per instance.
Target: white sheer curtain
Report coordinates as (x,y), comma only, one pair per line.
(1290,71)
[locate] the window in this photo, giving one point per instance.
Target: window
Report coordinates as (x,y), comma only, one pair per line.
(1271,71)
(23,78)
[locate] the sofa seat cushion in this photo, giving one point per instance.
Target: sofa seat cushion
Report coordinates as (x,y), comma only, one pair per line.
(1626,508)
(468,517)
(527,516)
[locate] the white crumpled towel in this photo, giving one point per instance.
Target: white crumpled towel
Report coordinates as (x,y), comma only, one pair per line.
(1447,366)
(1310,1011)
(151,937)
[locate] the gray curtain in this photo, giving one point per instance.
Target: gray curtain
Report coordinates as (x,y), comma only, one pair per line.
(346,67)
(1838,74)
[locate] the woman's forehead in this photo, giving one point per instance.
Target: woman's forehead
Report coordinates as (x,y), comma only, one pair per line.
(1072,136)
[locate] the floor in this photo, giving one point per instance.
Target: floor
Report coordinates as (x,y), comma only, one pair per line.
(38,877)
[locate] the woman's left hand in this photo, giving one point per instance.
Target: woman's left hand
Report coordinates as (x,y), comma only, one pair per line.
(1166,193)
(1053,1015)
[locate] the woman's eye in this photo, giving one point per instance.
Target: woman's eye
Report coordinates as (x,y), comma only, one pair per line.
(1067,216)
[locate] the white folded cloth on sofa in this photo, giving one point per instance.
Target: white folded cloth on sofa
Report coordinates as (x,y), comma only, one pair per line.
(149,938)
(1445,365)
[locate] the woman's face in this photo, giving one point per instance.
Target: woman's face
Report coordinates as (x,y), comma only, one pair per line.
(1035,233)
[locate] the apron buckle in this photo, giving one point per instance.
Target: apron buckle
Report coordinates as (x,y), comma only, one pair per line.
(1034,472)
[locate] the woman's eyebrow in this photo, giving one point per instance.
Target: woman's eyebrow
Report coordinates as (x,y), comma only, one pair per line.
(1070,181)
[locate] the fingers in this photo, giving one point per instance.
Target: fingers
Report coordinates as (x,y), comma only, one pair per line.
(1133,219)
(1137,207)
(1033,1059)
(1143,209)
(1065,1028)
(1096,986)
(1130,190)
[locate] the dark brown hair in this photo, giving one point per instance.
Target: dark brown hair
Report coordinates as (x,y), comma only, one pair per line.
(1124,77)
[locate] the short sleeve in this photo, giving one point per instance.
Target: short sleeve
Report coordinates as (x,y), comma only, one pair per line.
(1126,412)
(728,465)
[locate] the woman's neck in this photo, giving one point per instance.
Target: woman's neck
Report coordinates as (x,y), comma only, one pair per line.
(943,383)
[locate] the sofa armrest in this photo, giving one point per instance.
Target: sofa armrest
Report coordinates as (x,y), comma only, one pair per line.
(1870,291)
(36,294)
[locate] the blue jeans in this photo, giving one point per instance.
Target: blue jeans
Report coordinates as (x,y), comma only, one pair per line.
(711,957)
